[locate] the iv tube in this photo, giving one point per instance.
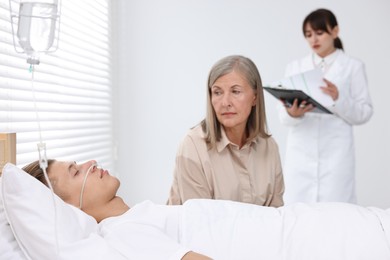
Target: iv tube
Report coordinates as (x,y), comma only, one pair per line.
(43,163)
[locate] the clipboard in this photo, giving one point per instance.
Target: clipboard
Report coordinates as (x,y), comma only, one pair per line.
(288,95)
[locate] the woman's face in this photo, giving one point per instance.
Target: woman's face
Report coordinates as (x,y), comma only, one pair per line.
(232,99)
(67,180)
(320,41)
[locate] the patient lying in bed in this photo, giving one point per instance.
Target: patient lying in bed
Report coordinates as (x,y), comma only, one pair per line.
(219,229)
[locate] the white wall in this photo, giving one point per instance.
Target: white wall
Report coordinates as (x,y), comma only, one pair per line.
(165,49)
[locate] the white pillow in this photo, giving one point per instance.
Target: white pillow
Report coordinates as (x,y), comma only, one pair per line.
(29,208)
(9,248)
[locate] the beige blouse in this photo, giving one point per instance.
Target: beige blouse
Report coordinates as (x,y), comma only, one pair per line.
(252,174)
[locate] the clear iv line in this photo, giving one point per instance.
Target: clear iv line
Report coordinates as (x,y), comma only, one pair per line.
(43,159)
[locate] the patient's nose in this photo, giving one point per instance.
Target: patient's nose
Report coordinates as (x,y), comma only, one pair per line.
(90,165)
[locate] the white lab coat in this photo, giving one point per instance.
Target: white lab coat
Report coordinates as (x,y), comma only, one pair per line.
(320,162)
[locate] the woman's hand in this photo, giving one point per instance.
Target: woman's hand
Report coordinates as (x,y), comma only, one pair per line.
(331,90)
(296,110)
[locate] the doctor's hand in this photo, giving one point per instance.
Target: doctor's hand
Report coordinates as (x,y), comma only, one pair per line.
(331,90)
(296,110)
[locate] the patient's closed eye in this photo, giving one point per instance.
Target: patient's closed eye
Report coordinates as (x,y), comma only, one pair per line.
(73,169)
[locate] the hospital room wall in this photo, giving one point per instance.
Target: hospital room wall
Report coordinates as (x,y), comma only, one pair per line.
(164,50)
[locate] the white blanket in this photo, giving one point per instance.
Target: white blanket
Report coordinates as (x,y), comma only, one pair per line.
(230,230)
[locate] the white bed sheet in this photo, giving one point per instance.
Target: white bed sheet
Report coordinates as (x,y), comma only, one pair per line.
(219,229)
(229,230)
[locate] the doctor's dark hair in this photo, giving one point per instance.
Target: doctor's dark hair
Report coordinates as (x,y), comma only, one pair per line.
(257,123)
(321,19)
(36,171)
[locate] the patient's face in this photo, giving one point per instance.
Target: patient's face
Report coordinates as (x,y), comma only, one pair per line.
(67,179)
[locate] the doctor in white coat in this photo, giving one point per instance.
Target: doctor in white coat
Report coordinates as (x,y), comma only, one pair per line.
(320,162)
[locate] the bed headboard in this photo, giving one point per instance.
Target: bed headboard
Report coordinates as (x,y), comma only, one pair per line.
(7,149)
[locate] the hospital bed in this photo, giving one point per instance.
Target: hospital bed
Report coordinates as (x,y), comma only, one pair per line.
(31,227)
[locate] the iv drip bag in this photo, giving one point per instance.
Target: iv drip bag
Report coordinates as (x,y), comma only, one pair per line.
(36,26)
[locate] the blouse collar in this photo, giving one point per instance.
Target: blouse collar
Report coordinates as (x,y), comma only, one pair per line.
(325,62)
(224,142)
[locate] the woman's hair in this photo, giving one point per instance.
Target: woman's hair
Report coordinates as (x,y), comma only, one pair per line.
(321,19)
(36,171)
(257,123)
